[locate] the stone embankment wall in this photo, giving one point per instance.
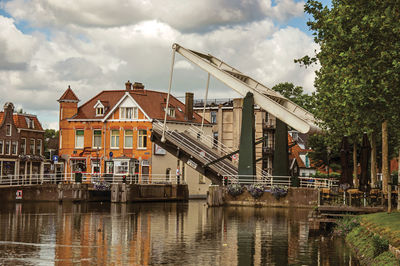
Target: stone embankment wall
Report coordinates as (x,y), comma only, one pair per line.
(296,197)
(84,192)
(155,192)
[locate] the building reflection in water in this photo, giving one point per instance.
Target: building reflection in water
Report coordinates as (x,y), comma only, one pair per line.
(161,233)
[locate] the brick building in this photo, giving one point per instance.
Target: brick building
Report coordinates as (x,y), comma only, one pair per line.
(21,145)
(110,133)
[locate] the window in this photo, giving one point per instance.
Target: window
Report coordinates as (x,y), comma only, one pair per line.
(171,112)
(128,112)
(30,122)
(114,139)
(79,137)
(14,147)
(23,147)
(1,147)
(39,147)
(215,139)
(121,167)
(8,130)
(32,146)
(142,139)
(128,141)
(109,167)
(213,117)
(99,111)
(7,147)
(60,139)
(95,166)
(202,179)
(96,138)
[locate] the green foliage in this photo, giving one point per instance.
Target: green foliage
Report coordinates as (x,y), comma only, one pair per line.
(295,94)
(379,245)
(358,82)
(50,133)
(346,225)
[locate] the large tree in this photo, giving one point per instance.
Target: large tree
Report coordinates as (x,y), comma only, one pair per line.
(358,82)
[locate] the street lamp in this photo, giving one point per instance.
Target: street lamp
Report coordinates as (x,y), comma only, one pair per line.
(328,151)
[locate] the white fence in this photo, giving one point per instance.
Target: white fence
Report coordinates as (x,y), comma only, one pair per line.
(21,180)
(286,181)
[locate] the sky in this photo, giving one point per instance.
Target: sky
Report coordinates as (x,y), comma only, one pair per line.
(95,45)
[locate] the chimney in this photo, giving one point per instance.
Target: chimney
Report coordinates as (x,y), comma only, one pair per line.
(9,109)
(128,85)
(189,106)
(138,86)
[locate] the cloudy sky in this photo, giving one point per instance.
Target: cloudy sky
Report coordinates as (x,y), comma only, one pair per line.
(94,45)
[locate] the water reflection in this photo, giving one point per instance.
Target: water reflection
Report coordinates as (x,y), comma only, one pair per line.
(161,233)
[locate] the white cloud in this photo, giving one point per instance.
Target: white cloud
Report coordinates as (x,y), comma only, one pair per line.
(187,15)
(16,49)
(91,57)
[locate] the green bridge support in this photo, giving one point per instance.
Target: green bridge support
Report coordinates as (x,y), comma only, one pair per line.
(247,158)
(281,154)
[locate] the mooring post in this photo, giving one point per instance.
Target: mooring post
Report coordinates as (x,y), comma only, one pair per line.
(365,199)
(344,197)
(319,198)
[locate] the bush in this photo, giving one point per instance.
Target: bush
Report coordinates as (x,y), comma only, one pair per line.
(380,245)
(279,191)
(235,189)
(256,190)
(345,225)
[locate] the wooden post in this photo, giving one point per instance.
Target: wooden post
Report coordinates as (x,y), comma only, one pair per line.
(355,177)
(398,198)
(385,159)
(373,160)
(319,197)
(389,210)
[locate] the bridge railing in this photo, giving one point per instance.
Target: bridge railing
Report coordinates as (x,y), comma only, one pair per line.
(309,182)
(207,157)
(196,132)
(88,178)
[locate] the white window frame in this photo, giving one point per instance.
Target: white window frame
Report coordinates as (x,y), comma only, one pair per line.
(123,113)
(23,139)
(76,138)
(118,163)
(8,130)
(111,138)
(33,151)
(9,147)
(16,147)
(125,147)
(60,144)
(101,139)
(2,148)
(138,140)
(39,141)
(99,111)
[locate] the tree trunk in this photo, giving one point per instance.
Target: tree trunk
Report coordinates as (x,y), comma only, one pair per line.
(385,158)
(355,178)
(373,160)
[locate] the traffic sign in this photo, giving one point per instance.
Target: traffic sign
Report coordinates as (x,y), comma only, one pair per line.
(55,158)
(111,154)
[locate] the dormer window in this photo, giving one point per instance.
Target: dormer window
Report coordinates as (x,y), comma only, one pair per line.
(99,111)
(171,112)
(99,108)
(30,123)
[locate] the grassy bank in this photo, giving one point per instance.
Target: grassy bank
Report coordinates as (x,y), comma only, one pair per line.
(370,236)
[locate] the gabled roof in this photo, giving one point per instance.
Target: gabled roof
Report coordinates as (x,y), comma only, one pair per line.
(296,151)
(68,95)
(151,102)
(21,123)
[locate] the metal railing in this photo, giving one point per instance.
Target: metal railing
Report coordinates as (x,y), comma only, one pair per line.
(309,182)
(87,178)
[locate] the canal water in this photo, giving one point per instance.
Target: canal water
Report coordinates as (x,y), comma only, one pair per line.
(161,233)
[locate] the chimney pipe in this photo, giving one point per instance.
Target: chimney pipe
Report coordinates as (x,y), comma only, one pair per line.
(138,86)
(128,85)
(189,106)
